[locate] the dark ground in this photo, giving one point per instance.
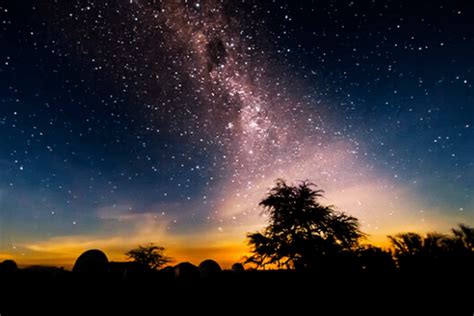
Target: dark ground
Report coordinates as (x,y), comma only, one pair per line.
(250,292)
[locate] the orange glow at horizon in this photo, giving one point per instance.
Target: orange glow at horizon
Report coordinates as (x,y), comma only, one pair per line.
(64,253)
(225,255)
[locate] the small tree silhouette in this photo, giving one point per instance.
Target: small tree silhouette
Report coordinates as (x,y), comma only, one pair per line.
(301,232)
(149,256)
(464,237)
(375,259)
(454,252)
(415,252)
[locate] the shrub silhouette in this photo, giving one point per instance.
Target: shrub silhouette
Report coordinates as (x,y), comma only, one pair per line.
(302,233)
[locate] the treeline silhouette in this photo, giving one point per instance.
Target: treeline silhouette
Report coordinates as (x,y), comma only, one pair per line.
(308,256)
(304,235)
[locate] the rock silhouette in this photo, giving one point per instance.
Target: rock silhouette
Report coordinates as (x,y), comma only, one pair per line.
(91,262)
(238,267)
(209,268)
(186,272)
(8,266)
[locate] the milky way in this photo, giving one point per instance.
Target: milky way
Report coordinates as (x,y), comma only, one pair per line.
(264,131)
(167,121)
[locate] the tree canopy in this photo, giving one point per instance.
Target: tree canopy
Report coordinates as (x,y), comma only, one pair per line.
(300,230)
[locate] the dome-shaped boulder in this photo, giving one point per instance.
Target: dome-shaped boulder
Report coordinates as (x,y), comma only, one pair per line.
(186,272)
(237,268)
(8,266)
(209,268)
(92,262)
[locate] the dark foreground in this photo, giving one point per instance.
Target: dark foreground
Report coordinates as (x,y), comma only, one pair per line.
(232,293)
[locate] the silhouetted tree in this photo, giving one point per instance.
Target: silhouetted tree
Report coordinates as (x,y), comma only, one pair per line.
(301,232)
(375,259)
(406,243)
(435,251)
(463,251)
(464,237)
(414,252)
(149,256)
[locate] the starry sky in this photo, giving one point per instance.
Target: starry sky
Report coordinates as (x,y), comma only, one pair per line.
(135,121)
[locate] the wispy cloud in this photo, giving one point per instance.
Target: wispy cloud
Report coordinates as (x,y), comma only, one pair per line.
(135,227)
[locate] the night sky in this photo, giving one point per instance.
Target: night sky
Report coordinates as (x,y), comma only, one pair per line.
(136,121)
